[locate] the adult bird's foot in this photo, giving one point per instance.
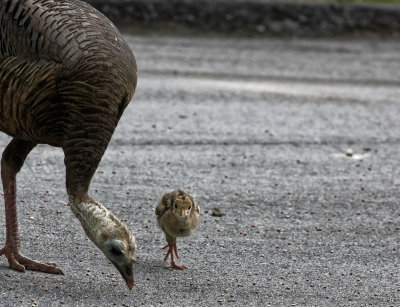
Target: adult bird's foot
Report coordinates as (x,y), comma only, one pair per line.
(20,263)
(173,265)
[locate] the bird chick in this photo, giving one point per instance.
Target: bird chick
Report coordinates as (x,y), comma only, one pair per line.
(178,216)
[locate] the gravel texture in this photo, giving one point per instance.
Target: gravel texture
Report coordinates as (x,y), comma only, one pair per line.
(296,141)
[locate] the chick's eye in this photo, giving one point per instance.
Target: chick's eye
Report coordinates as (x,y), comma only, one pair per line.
(190,208)
(176,206)
(116,251)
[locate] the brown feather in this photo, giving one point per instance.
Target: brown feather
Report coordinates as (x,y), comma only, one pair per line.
(66,77)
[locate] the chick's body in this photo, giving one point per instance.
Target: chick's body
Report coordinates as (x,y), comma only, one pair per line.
(177,226)
(178,216)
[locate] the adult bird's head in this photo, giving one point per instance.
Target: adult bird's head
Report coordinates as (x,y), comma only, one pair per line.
(120,249)
(110,235)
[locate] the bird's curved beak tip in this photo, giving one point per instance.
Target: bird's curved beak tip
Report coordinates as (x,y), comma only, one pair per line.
(130,283)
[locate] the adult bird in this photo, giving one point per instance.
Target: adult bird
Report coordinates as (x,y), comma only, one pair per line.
(66,76)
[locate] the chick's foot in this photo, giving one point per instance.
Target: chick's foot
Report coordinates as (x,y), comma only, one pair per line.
(171,250)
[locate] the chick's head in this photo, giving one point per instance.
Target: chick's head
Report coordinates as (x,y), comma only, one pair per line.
(182,207)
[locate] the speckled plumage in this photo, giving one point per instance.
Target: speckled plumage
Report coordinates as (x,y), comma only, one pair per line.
(100,224)
(178,215)
(66,76)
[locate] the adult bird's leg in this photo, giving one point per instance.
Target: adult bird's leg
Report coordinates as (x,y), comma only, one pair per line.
(171,250)
(11,162)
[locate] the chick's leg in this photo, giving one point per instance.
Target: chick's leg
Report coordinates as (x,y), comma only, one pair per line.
(171,250)
(11,162)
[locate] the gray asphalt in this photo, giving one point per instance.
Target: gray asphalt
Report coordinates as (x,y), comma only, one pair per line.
(290,18)
(297,141)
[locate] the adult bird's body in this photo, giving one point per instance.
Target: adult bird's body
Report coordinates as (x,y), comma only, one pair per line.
(66,76)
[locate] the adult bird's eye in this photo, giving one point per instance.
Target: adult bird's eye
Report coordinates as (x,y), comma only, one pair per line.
(116,251)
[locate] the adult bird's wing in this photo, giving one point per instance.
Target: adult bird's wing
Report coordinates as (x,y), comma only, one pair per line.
(24,86)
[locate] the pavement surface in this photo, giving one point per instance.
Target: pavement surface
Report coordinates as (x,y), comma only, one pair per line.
(255,17)
(296,141)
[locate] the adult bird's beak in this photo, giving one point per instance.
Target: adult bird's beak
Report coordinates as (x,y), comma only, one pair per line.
(130,282)
(127,275)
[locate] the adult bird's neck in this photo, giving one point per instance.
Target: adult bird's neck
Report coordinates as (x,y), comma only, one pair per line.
(93,216)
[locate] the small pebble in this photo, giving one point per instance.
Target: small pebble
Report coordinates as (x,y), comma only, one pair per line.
(217,212)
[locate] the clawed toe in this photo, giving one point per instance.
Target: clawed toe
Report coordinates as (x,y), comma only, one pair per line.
(14,264)
(33,265)
(176,266)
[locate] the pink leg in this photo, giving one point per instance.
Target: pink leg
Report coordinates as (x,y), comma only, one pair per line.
(11,162)
(171,250)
